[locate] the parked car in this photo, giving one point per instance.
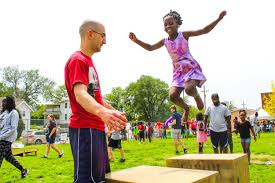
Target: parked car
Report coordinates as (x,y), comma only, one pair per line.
(35,137)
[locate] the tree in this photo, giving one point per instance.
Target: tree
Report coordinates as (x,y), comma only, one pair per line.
(4,90)
(12,77)
(269,101)
(55,94)
(33,85)
(146,98)
(116,98)
(25,84)
(193,112)
(38,114)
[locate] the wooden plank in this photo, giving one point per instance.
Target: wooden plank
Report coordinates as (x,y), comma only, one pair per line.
(147,174)
(28,151)
(18,152)
(24,152)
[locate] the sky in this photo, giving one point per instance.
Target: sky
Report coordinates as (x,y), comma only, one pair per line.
(237,56)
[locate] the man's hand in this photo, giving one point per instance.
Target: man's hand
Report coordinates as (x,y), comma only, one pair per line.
(113,118)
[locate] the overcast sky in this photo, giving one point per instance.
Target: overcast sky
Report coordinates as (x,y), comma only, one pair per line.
(237,57)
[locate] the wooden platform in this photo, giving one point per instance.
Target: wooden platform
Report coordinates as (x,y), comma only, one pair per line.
(154,174)
(24,152)
(233,168)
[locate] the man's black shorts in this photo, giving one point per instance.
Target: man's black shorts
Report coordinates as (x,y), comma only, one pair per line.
(219,139)
(115,143)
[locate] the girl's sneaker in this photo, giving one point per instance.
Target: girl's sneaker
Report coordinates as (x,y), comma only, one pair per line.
(185,151)
(24,173)
(122,160)
(61,155)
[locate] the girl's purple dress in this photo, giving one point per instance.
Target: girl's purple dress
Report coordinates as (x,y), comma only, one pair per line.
(185,67)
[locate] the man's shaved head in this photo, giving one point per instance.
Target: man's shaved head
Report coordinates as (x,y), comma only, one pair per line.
(86,25)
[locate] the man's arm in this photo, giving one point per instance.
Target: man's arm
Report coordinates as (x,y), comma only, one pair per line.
(107,105)
(110,117)
(206,120)
(228,120)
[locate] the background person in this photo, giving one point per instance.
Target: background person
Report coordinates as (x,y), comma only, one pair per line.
(141,130)
(176,129)
(9,119)
(219,125)
(115,143)
(244,128)
(51,130)
(201,132)
(229,133)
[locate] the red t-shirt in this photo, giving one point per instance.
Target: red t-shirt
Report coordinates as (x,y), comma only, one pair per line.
(193,125)
(149,129)
(159,125)
(80,69)
(141,128)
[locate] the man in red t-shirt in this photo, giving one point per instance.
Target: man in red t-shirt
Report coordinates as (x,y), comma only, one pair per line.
(150,132)
(141,130)
(90,113)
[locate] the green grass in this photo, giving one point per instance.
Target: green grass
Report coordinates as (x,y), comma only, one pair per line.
(58,170)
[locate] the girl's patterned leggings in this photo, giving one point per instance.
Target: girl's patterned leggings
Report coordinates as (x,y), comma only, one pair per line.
(5,152)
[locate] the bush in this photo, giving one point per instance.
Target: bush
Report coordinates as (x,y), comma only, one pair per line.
(21,125)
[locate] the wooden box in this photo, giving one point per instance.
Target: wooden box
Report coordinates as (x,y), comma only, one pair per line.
(233,168)
(154,174)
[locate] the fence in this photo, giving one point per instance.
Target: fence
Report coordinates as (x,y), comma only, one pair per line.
(38,124)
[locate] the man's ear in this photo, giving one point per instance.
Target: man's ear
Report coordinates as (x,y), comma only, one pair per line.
(90,34)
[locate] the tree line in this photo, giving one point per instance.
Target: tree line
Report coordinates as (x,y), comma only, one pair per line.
(30,85)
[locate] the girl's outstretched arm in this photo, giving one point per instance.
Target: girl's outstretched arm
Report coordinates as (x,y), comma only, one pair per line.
(206,29)
(146,46)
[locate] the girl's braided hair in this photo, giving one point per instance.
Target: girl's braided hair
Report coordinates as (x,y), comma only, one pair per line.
(175,15)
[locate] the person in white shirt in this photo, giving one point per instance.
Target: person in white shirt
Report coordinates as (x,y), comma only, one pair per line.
(219,124)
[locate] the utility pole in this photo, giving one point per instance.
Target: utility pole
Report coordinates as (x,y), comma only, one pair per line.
(204,96)
(243,104)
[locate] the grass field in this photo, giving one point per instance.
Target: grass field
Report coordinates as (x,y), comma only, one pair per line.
(58,170)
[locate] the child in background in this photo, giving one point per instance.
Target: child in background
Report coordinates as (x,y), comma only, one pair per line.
(244,127)
(115,143)
(201,131)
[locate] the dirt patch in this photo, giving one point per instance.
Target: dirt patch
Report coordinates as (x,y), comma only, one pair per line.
(263,156)
(262,159)
(257,162)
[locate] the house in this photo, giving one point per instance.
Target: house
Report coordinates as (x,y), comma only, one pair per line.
(24,109)
(62,111)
